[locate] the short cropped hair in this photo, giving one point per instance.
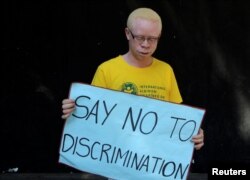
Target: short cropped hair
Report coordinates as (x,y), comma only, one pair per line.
(143,13)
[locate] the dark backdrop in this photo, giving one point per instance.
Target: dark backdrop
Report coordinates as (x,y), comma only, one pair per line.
(48,44)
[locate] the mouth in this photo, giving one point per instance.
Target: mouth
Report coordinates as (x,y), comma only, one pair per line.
(144,53)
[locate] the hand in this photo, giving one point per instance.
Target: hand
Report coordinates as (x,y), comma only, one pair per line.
(198,139)
(68,106)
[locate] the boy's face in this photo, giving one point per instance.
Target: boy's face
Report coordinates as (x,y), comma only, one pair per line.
(143,37)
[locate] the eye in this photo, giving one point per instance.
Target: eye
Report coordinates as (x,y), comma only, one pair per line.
(152,39)
(140,38)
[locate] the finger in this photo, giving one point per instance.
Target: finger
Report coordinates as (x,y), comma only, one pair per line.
(199,146)
(196,141)
(65,116)
(66,101)
(68,106)
(196,137)
(199,136)
(68,111)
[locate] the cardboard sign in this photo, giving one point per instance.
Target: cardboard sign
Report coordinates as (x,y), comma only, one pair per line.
(124,136)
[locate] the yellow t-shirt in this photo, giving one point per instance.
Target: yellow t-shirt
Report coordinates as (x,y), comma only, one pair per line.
(156,81)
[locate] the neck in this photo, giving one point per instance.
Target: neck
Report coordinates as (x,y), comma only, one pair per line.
(140,62)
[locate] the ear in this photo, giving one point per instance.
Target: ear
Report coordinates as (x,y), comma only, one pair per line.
(127,33)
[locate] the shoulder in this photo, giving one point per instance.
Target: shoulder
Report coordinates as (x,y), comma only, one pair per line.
(162,64)
(111,62)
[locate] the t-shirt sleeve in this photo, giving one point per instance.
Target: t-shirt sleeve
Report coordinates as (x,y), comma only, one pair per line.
(175,95)
(99,78)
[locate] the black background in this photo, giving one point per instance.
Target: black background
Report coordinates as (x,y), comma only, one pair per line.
(47,44)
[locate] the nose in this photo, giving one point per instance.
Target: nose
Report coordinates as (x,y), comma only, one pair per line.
(145,43)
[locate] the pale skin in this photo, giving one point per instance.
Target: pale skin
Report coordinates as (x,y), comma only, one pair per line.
(138,55)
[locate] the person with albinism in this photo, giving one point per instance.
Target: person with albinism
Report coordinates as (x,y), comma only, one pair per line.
(138,71)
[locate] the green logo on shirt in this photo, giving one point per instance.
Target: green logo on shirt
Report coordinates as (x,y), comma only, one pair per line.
(129,87)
